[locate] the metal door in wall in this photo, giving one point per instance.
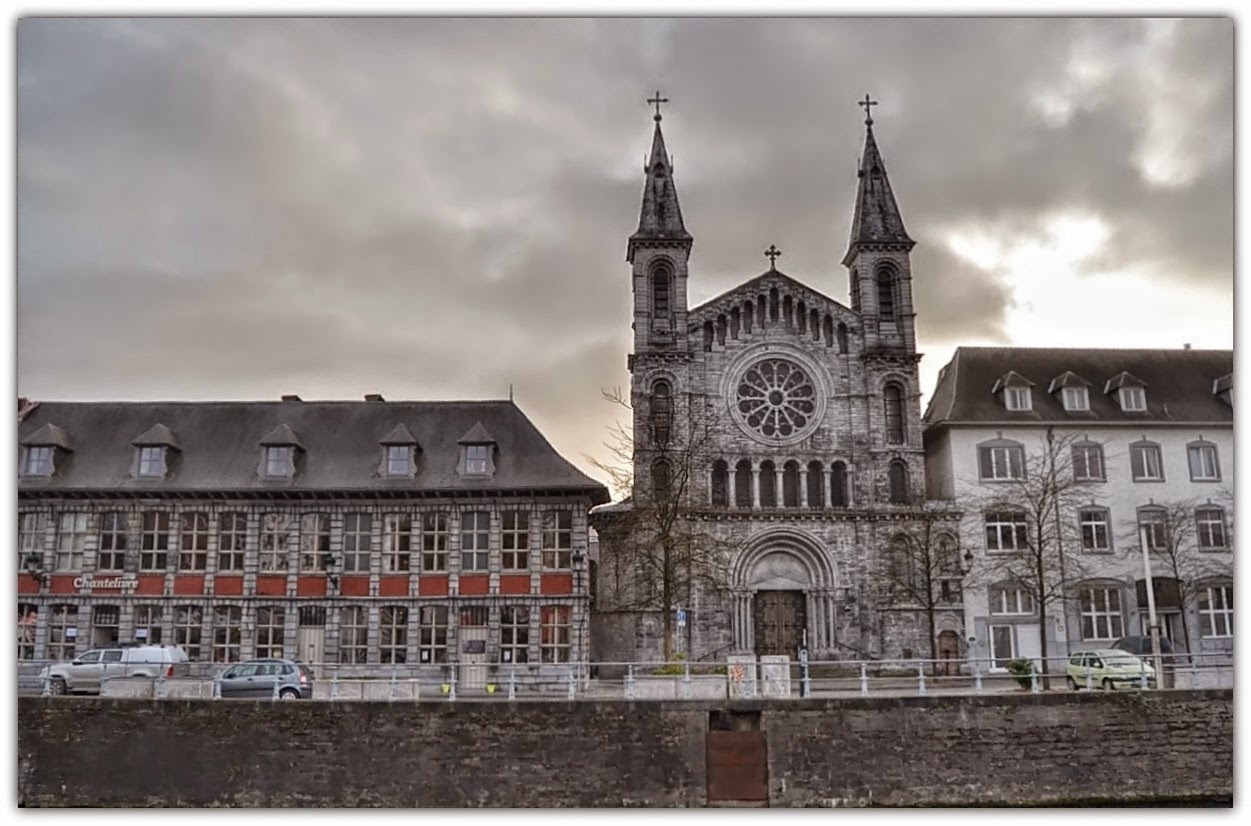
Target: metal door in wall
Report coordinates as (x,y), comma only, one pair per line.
(779,619)
(737,765)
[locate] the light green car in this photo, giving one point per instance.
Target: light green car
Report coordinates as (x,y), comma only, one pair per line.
(1109,668)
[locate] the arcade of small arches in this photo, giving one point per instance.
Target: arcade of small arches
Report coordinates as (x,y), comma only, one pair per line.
(776,309)
(770,484)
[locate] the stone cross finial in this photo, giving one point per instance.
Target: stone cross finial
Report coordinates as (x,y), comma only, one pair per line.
(657,100)
(868,113)
(772,253)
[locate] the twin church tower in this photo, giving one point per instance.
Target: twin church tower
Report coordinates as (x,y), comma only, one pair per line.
(777,446)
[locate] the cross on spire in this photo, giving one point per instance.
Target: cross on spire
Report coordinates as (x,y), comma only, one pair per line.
(657,100)
(772,253)
(868,113)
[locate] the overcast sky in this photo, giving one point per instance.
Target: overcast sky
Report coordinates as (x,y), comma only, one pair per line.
(434,209)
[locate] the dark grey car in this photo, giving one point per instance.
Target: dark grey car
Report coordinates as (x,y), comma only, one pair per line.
(259,679)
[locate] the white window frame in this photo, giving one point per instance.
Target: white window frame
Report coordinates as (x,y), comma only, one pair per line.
(1018,398)
(1152,462)
(275,542)
(1133,399)
(397,543)
(475,541)
(31,534)
(1075,399)
(399,460)
(393,634)
(1204,525)
(1001,462)
(278,461)
(555,633)
(996,657)
(477,459)
(40,460)
(271,623)
(71,540)
(1208,461)
(1086,450)
(354,634)
(1093,521)
(1102,613)
(1155,520)
(1216,612)
(1011,601)
(151,461)
(357,541)
(1005,524)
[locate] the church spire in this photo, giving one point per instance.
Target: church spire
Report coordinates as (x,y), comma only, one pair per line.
(661,217)
(877,219)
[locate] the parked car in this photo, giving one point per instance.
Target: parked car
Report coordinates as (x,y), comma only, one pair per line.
(85,673)
(1108,668)
(258,678)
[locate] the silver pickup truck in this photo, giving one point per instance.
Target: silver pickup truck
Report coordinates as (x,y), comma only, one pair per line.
(85,673)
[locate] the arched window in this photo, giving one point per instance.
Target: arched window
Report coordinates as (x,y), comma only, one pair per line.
(735,322)
(660,294)
(886,295)
(720,484)
(828,328)
(786,311)
(662,412)
(801,315)
(721,328)
(842,337)
(816,488)
(815,323)
(768,485)
(748,316)
(892,397)
(742,484)
(790,484)
(838,485)
(761,309)
(661,481)
(707,336)
(773,304)
(903,566)
(898,475)
(855,290)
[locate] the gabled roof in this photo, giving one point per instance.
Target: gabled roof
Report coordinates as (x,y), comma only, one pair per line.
(876,219)
(767,279)
(1067,379)
(660,218)
(49,435)
(1011,379)
(158,434)
(399,435)
(281,435)
(1180,381)
(340,438)
(1123,379)
(477,435)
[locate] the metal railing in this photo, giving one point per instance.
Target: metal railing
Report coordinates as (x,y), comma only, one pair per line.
(736,677)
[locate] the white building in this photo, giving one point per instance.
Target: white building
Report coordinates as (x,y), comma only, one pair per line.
(1148,434)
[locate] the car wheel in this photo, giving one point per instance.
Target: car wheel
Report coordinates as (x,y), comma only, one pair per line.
(1072,684)
(288,694)
(57,686)
(1107,684)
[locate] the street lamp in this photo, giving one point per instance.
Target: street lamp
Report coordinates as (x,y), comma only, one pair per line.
(34,567)
(1143,536)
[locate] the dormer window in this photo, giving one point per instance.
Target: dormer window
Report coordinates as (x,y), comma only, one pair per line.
(278,460)
(38,460)
(477,458)
(1075,398)
(1133,399)
(1017,398)
(278,453)
(152,461)
(1015,391)
(477,452)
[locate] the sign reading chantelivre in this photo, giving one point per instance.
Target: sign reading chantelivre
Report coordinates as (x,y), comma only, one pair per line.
(116,583)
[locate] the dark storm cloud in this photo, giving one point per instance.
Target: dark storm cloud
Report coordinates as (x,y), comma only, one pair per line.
(439,208)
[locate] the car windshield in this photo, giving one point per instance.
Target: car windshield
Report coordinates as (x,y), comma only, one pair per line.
(1122,660)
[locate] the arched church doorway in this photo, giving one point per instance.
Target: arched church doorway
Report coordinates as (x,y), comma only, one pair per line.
(784,583)
(779,621)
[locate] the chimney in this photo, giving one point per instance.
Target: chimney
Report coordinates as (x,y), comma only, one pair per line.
(291,397)
(374,397)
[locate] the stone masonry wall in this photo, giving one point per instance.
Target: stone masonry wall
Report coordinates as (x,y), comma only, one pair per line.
(1057,749)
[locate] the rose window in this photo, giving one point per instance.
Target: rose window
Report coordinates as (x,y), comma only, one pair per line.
(776,398)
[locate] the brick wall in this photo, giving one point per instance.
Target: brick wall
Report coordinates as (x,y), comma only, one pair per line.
(1061,748)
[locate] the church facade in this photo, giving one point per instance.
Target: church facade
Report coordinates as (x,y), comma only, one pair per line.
(778,497)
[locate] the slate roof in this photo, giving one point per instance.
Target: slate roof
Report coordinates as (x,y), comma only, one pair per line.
(1179,385)
(341,442)
(876,219)
(660,218)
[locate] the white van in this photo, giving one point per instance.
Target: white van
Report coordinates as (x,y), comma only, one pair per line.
(85,673)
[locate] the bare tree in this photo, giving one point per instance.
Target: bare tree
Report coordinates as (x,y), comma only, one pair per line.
(655,554)
(1025,531)
(923,569)
(1188,542)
